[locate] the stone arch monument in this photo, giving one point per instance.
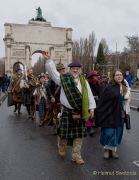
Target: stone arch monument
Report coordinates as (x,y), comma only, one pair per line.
(22,40)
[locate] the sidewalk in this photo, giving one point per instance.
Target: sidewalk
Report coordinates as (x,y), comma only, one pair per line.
(136,90)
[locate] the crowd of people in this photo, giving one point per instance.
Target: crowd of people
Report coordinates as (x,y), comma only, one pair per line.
(4,82)
(74,104)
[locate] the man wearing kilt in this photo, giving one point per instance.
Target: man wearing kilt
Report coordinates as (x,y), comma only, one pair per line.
(78,106)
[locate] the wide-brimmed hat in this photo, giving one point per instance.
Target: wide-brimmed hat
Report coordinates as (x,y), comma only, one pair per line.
(92,73)
(75,64)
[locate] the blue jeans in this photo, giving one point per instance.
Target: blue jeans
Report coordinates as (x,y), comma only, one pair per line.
(3,87)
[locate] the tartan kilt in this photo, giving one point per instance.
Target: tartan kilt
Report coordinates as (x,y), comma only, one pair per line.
(69,128)
(42,107)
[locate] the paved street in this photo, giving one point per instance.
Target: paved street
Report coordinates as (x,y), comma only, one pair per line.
(28,152)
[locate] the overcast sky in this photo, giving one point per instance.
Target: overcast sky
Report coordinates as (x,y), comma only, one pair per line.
(109,19)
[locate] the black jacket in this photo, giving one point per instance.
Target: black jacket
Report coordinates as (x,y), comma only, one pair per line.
(108,112)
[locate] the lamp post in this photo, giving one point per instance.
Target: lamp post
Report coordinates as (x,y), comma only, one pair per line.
(117,57)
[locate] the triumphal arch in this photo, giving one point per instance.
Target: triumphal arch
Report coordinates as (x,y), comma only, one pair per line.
(22,40)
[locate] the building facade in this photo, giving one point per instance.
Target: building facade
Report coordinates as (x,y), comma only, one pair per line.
(22,40)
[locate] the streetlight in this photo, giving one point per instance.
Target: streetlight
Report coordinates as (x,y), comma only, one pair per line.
(117,57)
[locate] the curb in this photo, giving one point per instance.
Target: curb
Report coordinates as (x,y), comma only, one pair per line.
(135,108)
(135,90)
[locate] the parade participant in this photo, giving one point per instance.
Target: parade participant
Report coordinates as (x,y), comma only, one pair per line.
(61,69)
(4,84)
(128,77)
(94,83)
(96,88)
(110,113)
(46,77)
(57,107)
(104,79)
(16,90)
(54,106)
(41,94)
(29,86)
(78,105)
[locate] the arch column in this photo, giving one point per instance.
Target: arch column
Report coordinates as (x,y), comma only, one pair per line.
(52,53)
(69,44)
(8,56)
(8,53)
(69,55)
(28,59)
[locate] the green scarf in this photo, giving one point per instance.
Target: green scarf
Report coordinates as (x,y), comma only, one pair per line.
(85,99)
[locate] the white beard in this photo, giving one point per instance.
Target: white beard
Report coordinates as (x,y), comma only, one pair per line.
(75,76)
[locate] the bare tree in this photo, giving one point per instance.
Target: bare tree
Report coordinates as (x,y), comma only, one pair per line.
(133,51)
(83,50)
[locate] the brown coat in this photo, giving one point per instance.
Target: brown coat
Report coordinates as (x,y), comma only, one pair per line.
(16,90)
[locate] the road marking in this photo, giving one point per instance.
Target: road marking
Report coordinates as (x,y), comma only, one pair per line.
(136,163)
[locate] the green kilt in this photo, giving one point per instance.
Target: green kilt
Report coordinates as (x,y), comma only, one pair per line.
(69,128)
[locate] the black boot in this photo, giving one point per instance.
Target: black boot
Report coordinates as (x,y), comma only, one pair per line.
(15,108)
(28,110)
(92,131)
(19,107)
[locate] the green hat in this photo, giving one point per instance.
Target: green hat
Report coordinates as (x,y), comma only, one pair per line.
(60,66)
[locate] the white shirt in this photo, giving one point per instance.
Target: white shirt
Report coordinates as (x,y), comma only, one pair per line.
(55,76)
